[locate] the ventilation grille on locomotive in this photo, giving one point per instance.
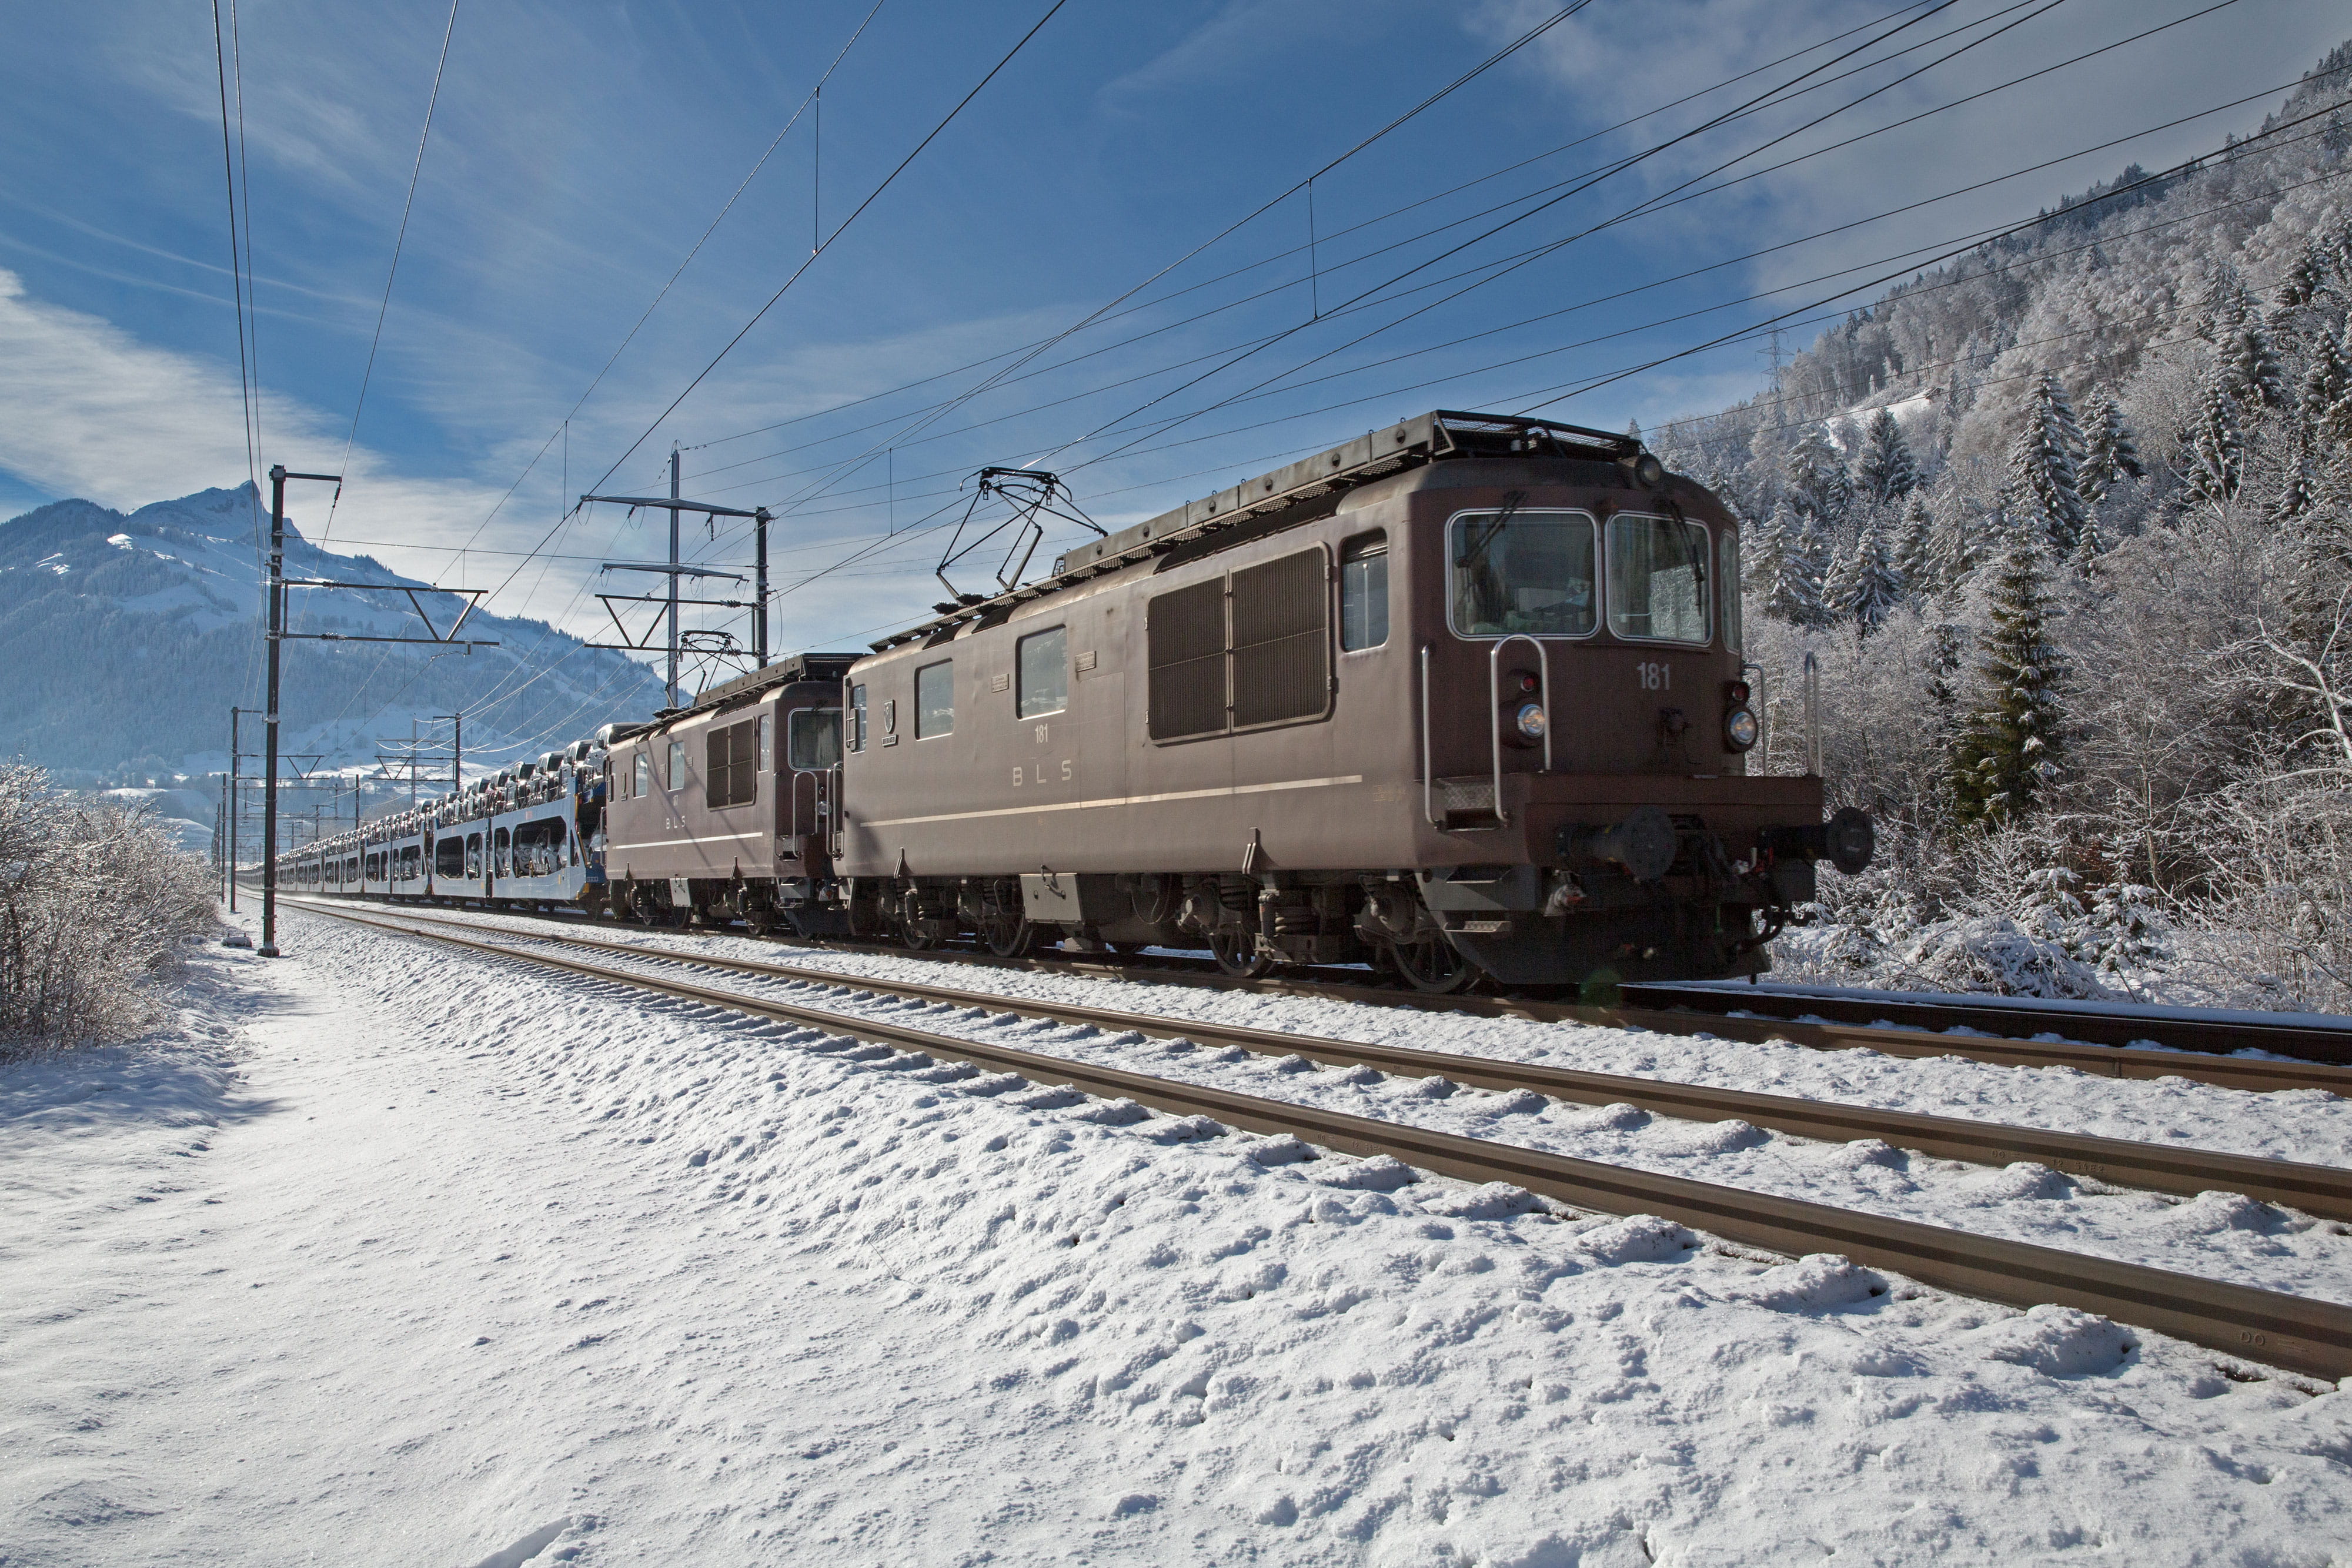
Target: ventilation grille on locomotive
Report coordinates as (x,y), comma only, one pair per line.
(1241,651)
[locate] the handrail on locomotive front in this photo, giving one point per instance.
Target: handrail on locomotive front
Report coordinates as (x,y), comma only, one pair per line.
(1493,722)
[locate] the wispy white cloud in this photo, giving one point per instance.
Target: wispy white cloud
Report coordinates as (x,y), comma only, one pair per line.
(1251,37)
(93,412)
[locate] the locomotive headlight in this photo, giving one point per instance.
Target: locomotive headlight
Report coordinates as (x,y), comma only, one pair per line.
(1739,728)
(1531,720)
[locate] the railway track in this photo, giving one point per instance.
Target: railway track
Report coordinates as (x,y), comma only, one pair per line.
(2024,1018)
(1915,1041)
(2323,1190)
(2290,1332)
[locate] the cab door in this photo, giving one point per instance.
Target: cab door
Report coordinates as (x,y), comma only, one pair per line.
(811,779)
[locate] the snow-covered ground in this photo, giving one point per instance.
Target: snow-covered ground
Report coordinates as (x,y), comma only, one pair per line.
(395,1255)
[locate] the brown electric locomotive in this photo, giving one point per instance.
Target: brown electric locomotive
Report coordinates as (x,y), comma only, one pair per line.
(1464,696)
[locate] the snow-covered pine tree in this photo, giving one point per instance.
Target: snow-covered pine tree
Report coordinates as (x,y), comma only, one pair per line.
(1885,472)
(2213,450)
(2008,751)
(2109,453)
(1914,547)
(1817,481)
(2255,373)
(1761,545)
(2322,407)
(2227,304)
(1957,551)
(1868,587)
(2043,482)
(1800,585)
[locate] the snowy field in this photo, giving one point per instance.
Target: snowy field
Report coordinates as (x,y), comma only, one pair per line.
(394,1255)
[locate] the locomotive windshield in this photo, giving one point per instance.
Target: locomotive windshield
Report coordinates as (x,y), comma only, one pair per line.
(1657,579)
(1521,571)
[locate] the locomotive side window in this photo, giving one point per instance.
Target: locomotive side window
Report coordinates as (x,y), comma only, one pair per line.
(1657,579)
(857,737)
(1044,673)
(645,771)
(935,700)
(1728,574)
(812,739)
(767,742)
(677,764)
(1521,571)
(1364,592)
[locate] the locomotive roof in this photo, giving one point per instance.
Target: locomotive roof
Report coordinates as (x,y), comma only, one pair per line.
(1438,437)
(825,667)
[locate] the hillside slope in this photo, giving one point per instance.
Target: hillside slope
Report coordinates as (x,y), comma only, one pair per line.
(124,640)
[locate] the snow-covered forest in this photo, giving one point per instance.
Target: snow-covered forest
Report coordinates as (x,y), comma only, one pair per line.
(2066,525)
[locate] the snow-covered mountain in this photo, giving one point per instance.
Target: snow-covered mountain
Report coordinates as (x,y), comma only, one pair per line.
(124,641)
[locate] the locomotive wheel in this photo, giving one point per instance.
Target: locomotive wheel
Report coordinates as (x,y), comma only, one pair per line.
(1434,966)
(1009,937)
(1236,953)
(912,934)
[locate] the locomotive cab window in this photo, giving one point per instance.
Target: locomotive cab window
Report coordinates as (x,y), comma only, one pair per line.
(1514,571)
(935,700)
(1364,592)
(1043,678)
(857,736)
(1657,579)
(812,739)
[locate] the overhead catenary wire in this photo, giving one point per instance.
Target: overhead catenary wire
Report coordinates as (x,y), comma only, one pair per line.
(246,377)
(821,245)
(825,243)
(1486,64)
(663,293)
(1131,309)
(1630,163)
(1784,320)
(399,239)
(1618,165)
(1598,300)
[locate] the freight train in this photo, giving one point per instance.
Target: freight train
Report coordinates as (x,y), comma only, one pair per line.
(1462,699)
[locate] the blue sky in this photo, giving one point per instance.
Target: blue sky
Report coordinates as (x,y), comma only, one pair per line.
(579,150)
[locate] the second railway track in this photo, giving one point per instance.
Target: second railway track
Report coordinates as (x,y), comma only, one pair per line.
(2292,1332)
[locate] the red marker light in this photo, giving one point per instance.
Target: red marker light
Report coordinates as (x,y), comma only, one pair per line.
(1737,691)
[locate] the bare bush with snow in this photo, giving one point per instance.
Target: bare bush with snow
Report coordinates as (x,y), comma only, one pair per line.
(95,902)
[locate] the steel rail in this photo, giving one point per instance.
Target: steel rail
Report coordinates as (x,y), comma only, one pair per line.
(2294,1332)
(2252,1074)
(2325,1190)
(2121,1025)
